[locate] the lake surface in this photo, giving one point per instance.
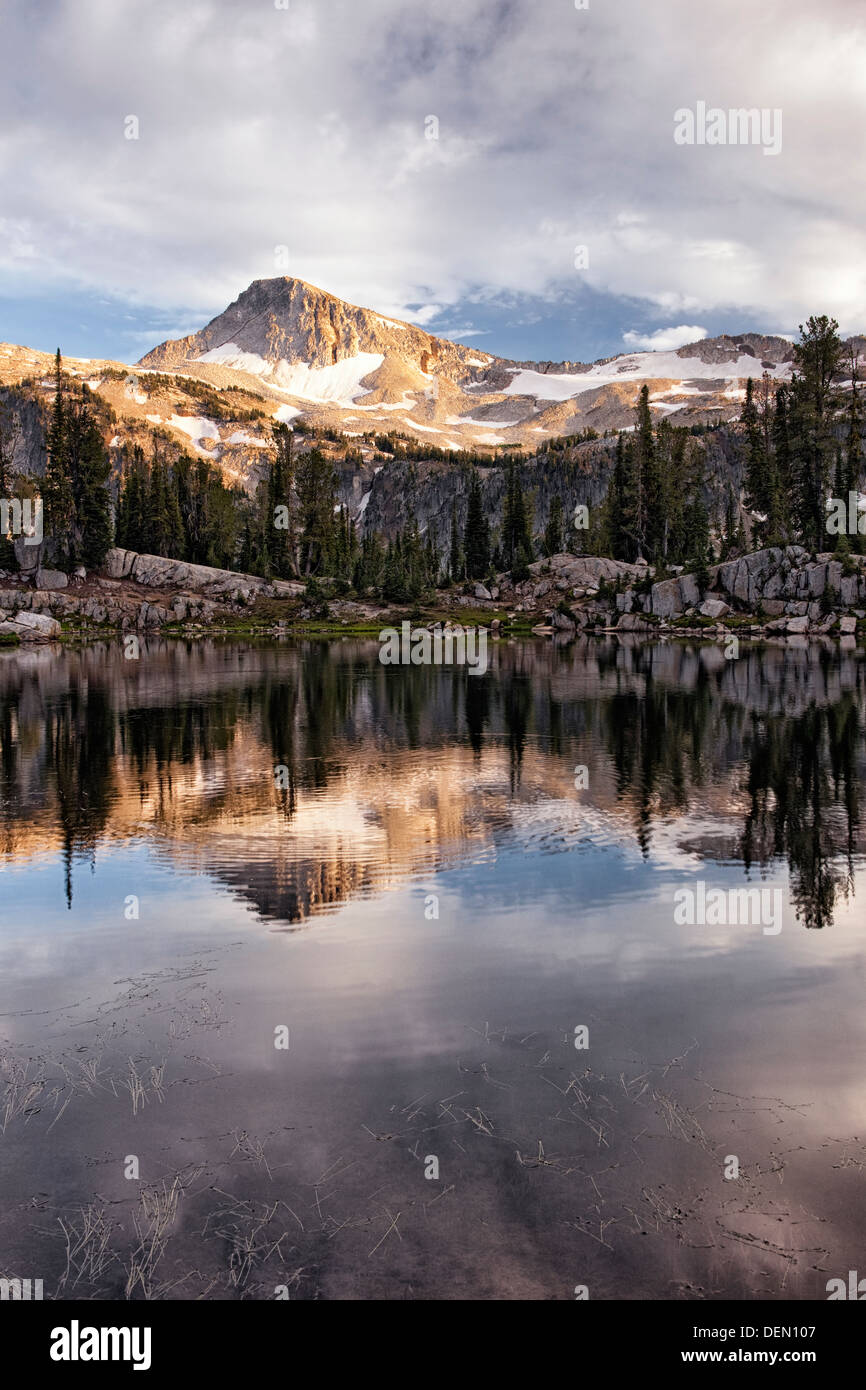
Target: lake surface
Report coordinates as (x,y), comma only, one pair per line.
(299,954)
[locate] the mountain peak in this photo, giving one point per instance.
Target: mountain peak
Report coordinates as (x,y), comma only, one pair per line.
(351,368)
(286,320)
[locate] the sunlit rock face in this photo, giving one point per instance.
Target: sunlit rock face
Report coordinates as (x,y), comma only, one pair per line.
(357,369)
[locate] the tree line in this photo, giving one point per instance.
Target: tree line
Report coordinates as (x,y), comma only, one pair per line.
(797,443)
(803,441)
(75,497)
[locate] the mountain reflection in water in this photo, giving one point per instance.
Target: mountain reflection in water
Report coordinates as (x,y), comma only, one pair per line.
(431,886)
(386,773)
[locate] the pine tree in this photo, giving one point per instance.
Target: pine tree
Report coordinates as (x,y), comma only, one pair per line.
(368,575)
(754,448)
(316,489)
(59,503)
(9,432)
(810,419)
(553,530)
(764,490)
(155,516)
(733,536)
(516,529)
(174,520)
(649,520)
(700,551)
(674,467)
(93,501)
(87,534)
(854,442)
(618,505)
(476,539)
(280,530)
(394,585)
(132,503)
(782,456)
(431,560)
(455,555)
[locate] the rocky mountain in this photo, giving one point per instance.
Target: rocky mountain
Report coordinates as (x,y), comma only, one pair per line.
(355,370)
(346,376)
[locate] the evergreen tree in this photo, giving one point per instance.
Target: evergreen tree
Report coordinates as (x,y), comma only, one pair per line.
(395,585)
(455,554)
(810,420)
(733,536)
(9,431)
(94,531)
(619,507)
(764,493)
(782,456)
(476,538)
(316,488)
(755,469)
(649,521)
(431,560)
(674,469)
(853,442)
(368,573)
(553,530)
(281,538)
(59,504)
(700,554)
(130,504)
(516,531)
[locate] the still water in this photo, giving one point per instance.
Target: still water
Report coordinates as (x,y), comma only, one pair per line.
(326,979)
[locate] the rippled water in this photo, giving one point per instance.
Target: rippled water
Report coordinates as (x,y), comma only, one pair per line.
(445,877)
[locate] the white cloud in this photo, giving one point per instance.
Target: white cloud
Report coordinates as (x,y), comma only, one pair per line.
(305,127)
(665,339)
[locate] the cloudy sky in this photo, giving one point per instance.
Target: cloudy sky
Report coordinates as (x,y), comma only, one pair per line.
(502,171)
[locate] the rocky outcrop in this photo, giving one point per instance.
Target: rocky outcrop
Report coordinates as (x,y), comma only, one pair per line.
(156,572)
(812,595)
(29,627)
(136,592)
(112,607)
(790,578)
(285,320)
(51,579)
(714,608)
(566,576)
(633,622)
(671,597)
(776,582)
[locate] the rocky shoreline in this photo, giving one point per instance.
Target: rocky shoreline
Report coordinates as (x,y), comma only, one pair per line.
(777,592)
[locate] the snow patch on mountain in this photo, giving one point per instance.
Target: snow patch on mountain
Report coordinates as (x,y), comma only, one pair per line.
(337,384)
(196,426)
(240,437)
(562,386)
